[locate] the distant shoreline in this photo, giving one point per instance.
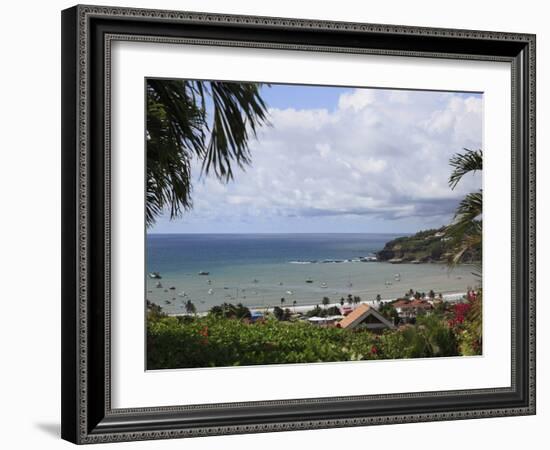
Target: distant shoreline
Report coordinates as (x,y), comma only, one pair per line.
(447,297)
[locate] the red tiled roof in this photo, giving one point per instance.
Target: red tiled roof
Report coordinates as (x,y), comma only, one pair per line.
(358,313)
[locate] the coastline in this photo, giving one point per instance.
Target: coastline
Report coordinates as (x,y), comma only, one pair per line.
(451,297)
(258,271)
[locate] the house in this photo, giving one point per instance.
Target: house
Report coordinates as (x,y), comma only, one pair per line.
(365,317)
(409,309)
(324,321)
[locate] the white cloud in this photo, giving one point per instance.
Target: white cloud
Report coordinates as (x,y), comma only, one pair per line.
(357,99)
(379,155)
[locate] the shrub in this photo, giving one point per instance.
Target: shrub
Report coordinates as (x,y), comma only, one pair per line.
(215,341)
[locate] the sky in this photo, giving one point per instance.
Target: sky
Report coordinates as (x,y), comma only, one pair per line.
(342,160)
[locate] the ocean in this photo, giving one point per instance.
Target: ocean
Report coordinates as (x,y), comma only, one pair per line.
(258,270)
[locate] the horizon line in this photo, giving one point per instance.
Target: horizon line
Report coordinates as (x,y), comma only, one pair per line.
(297,232)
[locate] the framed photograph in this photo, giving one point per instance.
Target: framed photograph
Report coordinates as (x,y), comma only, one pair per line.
(279,224)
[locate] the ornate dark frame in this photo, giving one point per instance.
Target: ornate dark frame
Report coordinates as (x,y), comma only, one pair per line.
(87,32)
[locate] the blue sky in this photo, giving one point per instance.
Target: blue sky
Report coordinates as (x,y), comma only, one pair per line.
(342,160)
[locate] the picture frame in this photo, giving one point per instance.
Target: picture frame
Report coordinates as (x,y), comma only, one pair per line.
(87,413)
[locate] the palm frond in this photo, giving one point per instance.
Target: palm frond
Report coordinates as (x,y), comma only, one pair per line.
(178,131)
(463,163)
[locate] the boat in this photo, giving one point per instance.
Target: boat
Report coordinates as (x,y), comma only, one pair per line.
(309,280)
(155,275)
(202,272)
(182,294)
(255,281)
(395,261)
(172,288)
(158,285)
(324,285)
(210,291)
(289,292)
(370,258)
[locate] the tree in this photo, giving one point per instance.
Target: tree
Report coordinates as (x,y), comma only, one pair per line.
(356,300)
(281,314)
(350,299)
(190,307)
(326,301)
(389,312)
(342,301)
(211,121)
(282,302)
(431,294)
(230,311)
(378,297)
(294,305)
(465,230)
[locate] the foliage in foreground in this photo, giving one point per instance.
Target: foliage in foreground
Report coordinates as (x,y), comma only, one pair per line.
(214,341)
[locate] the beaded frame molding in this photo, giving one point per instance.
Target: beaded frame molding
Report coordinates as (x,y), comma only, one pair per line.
(87,35)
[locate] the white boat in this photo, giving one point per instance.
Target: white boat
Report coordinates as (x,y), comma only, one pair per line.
(155,275)
(324,285)
(289,292)
(158,285)
(182,294)
(210,291)
(370,258)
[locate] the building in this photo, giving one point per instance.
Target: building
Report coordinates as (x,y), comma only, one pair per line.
(409,309)
(324,321)
(365,317)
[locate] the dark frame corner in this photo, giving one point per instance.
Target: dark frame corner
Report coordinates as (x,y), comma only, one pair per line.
(87,416)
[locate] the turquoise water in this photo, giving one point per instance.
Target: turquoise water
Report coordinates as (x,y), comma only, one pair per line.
(258,270)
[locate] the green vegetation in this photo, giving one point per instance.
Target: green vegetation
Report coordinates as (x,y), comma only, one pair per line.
(221,338)
(456,243)
(424,246)
(465,232)
(230,311)
(215,341)
(323,312)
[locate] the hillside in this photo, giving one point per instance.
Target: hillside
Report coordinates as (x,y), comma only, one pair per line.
(424,246)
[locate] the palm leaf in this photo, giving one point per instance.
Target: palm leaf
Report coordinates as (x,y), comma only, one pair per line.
(463,163)
(178,131)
